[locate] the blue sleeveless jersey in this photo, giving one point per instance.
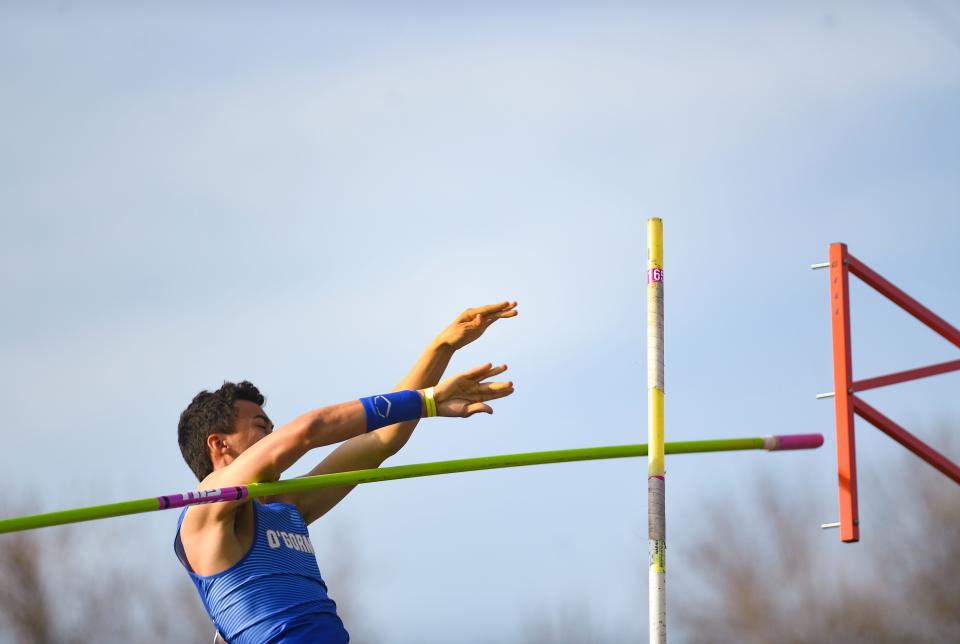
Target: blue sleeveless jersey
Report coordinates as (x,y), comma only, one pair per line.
(275,592)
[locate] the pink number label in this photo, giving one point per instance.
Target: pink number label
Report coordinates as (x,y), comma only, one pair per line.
(654,275)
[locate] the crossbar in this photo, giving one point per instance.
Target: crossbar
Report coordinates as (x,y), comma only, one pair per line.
(339,479)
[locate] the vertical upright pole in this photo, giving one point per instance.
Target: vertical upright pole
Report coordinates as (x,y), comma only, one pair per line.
(656,500)
(843,392)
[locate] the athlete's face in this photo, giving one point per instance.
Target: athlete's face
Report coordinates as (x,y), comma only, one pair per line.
(250,425)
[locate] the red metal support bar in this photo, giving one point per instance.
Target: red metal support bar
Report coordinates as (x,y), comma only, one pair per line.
(905,438)
(842,383)
(904,376)
(900,298)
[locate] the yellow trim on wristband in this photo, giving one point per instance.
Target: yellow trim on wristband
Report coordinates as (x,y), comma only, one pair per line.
(431,401)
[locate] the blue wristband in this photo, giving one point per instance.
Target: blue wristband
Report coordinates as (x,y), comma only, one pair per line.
(387,409)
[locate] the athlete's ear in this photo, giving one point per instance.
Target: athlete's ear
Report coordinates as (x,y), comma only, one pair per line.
(216,444)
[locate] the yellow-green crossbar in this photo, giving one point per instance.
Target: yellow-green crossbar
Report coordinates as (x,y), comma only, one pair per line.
(302,484)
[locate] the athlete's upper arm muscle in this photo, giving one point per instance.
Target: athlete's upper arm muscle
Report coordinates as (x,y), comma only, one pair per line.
(266,459)
(359,453)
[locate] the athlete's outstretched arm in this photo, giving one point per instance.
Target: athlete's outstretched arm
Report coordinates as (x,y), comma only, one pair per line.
(371,450)
(429,368)
(270,456)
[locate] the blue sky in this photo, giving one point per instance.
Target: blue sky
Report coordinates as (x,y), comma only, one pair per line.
(303,195)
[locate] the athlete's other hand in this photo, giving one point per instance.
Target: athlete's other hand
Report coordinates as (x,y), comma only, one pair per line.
(464,395)
(471,324)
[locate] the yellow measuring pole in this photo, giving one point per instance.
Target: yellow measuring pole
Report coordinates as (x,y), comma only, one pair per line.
(656,501)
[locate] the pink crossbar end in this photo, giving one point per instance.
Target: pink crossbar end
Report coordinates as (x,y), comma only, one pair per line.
(797,441)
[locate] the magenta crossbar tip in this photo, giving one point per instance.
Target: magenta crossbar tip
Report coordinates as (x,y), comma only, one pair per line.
(793,441)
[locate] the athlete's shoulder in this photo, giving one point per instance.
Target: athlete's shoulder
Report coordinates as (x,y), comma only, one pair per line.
(220,514)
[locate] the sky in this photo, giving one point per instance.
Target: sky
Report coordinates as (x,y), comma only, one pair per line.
(303,195)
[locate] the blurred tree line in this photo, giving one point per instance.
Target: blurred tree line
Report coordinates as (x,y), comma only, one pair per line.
(773,580)
(74,584)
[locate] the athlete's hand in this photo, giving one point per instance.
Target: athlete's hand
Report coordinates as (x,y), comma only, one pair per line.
(471,324)
(464,395)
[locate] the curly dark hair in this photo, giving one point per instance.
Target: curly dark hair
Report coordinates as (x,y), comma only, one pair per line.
(208,413)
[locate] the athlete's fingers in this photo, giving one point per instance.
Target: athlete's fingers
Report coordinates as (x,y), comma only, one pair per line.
(495,389)
(488,309)
(493,371)
(483,371)
(494,386)
(493,395)
(491,308)
(478,373)
(484,394)
(485,309)
(493,317)
(499,310)
(474,408)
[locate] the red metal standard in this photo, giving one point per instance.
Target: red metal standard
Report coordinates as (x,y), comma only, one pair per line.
(842,381)
(841,264)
